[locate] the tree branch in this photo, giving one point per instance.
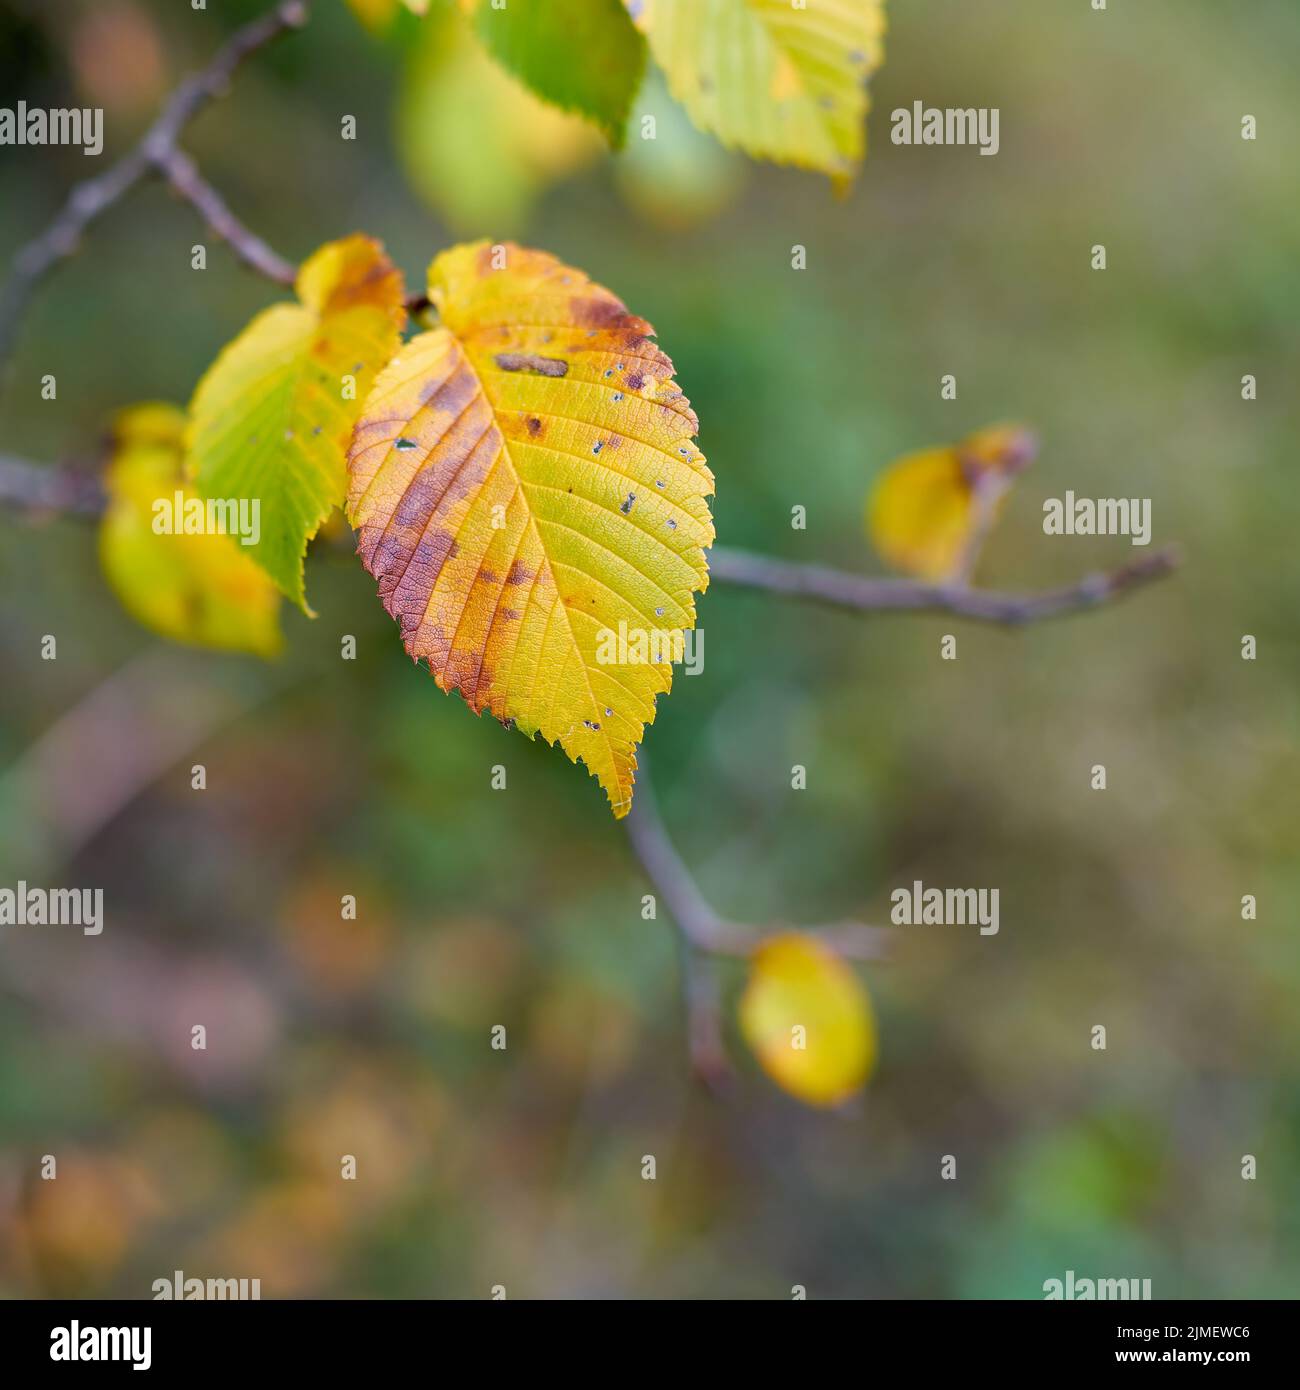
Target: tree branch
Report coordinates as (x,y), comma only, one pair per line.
(155,152)
(863,594)
(703,935)
(59,490)
(703,928)
(183,175)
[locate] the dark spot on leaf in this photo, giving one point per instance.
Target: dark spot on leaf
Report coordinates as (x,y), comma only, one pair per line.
(405,444)
(627,506)
(535,426)
(519,573)
(635,382)
(531,362)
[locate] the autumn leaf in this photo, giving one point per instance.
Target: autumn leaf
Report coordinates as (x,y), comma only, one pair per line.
(808,1020)
(271,419)
(584,56)
(921,512)
(197,588)
(780,82)
(525,490)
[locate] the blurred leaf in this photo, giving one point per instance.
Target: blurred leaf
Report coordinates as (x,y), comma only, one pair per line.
(271,418)
(378,15)
(203,589)
(584,56)
(808,1019)
(922,508)
(478,146)
(781,83)
(523,482)
(682,177)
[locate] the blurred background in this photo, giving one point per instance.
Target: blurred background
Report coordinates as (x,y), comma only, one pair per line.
(522,908)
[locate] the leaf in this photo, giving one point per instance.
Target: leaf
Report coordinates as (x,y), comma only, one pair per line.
(523,482)
(780,82)
(476,144)
(682,178)
(800,992)
(584,56)
(202,589)
(921,512)
(272,417)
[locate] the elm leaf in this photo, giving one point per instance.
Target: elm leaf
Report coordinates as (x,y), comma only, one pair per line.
(199,588)
(780,81)
(271,419)
(525,490)
(807,1018)
(583,55)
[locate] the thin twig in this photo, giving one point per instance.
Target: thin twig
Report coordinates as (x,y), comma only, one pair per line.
(58,491)
(862,594)
(91,198)
(704,935)
(703,928)
(183,175)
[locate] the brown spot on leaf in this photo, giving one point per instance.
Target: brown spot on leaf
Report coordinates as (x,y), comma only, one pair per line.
(531,362)
(535,427)
(602,311)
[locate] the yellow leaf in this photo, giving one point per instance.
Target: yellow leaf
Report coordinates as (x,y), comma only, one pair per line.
(526,492)
(203,588)
(376,15)
(271,419)
(920,512)
(808,1019)
(781,82)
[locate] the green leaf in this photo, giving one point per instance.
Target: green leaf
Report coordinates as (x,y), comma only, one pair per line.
(476,144)
(272,417)
(582,55)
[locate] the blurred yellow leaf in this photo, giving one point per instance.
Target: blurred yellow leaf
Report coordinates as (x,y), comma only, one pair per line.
(378,15)
(203,589)
(476,144)
(808,1019)
(271,419)
(780,81)
(526,491)
(921,511)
